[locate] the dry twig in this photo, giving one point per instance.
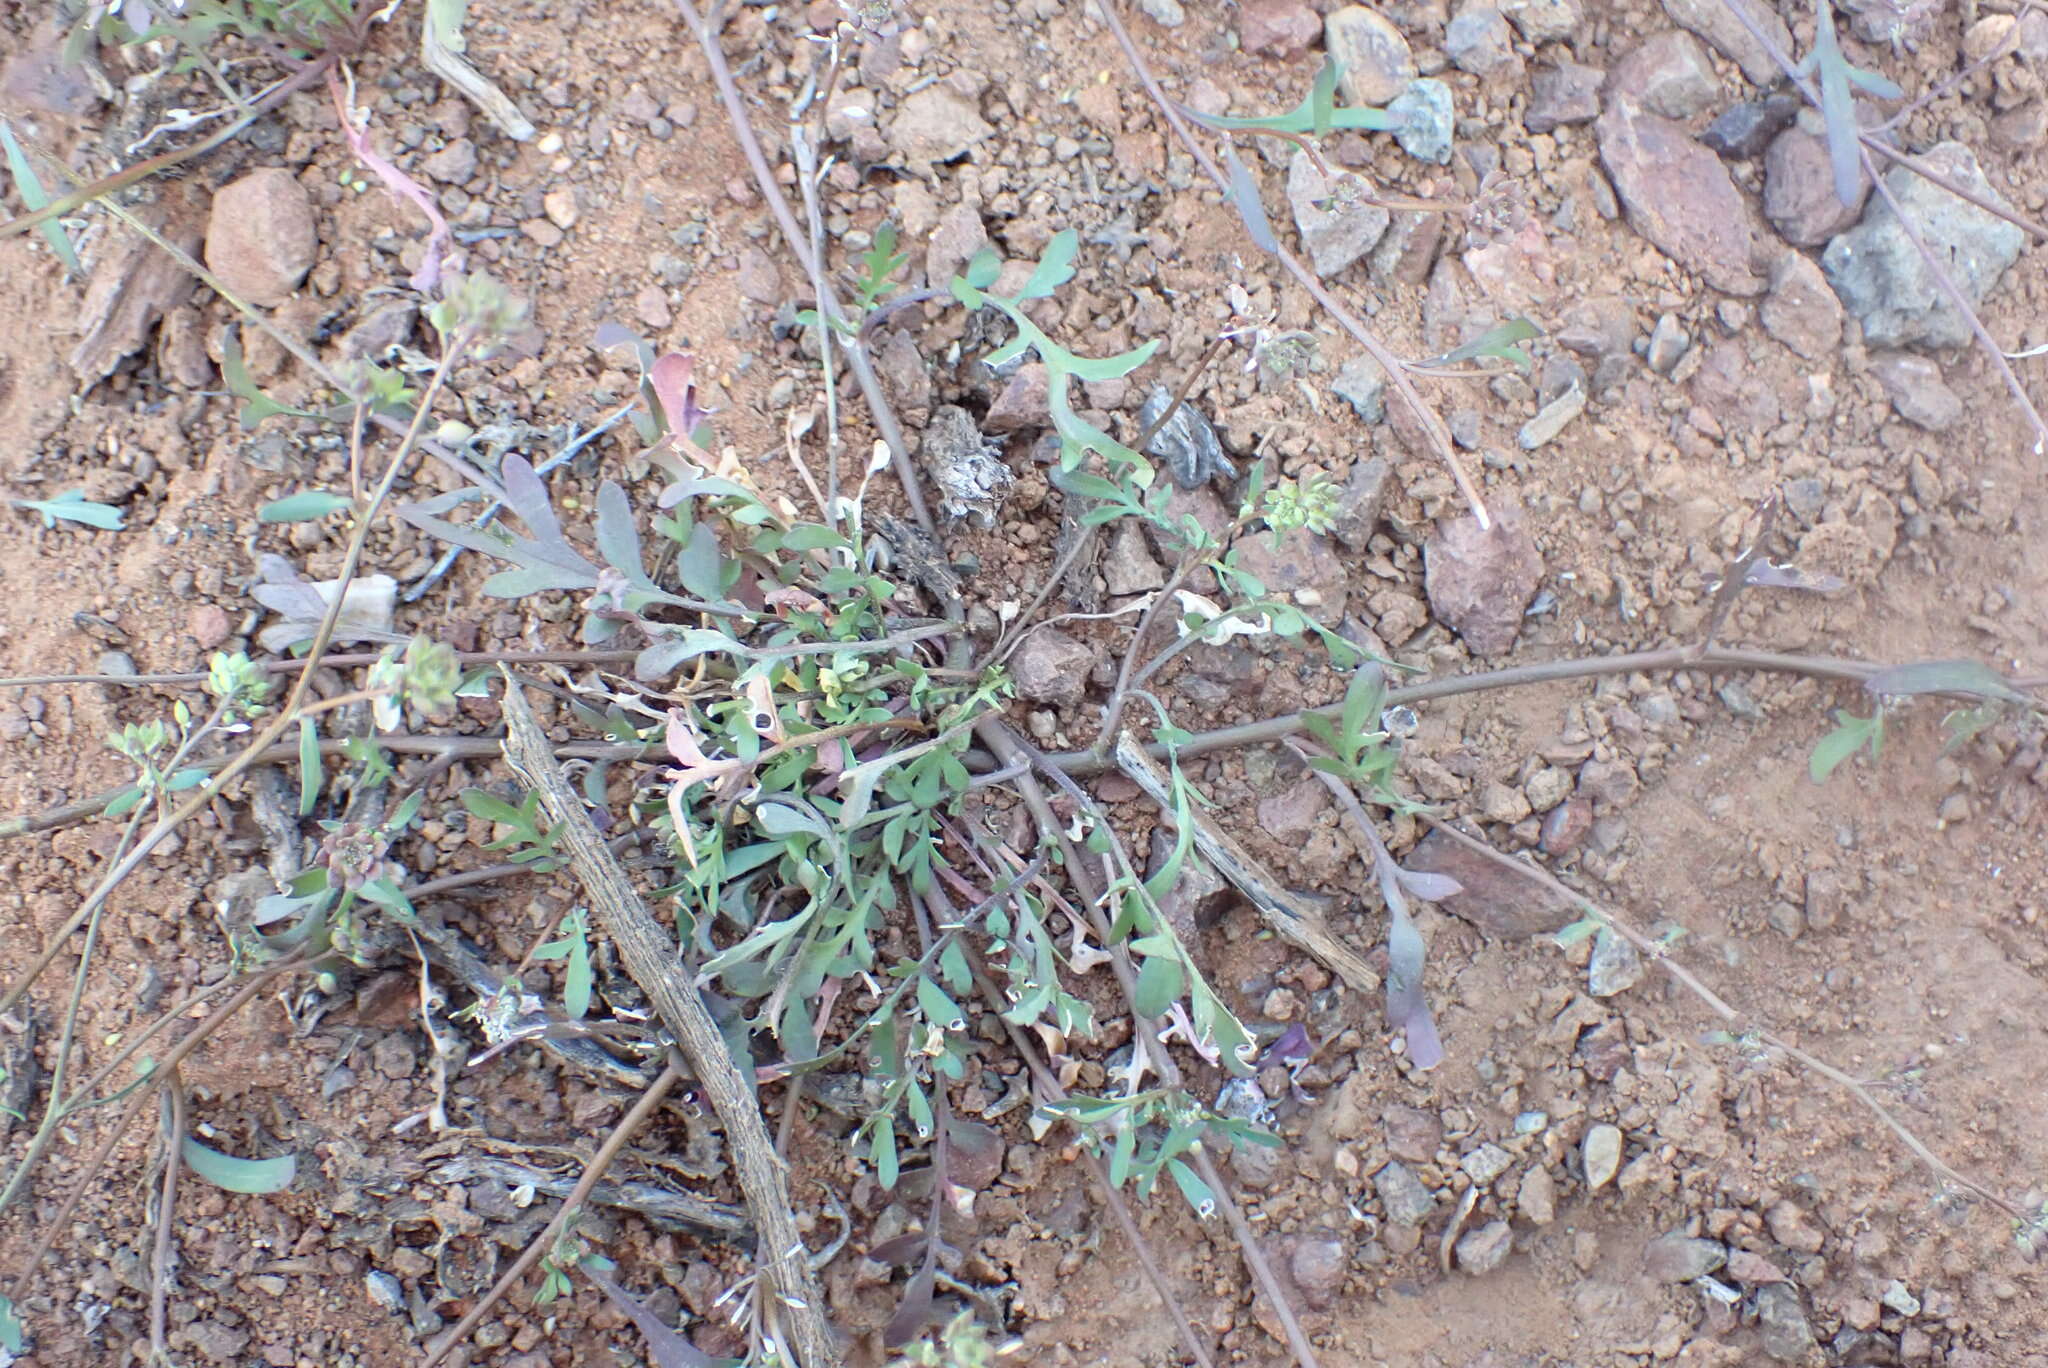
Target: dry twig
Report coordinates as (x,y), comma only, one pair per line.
(650,956)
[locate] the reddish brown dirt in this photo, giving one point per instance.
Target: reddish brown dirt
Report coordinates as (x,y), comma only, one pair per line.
(1924,972)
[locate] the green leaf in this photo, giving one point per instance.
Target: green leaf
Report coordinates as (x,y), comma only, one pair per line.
(11,1337)
(253,1176)
(1968,677)
(1055,268)
(1322,97)
(1194,1189)
(489,806)
(33,197)
(1577,931)
(305,506)
(984,268)
(311,774)
(76,507)
(578,979)
(811,537)
(122,803)
(939,1009)
(1160,981)
(256,405)
(882,1150)
(1244,197)
(1498,341)
(1850,735)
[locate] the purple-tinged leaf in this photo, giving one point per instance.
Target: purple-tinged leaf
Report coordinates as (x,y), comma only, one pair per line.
(1293,1046)
(1765,575)
(669,378)
(440,242)
(914,1313)
(901,1250)
(1407,1010)
(1244,197)
(665,1347)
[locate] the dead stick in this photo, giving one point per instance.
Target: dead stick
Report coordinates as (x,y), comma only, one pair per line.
(650,957)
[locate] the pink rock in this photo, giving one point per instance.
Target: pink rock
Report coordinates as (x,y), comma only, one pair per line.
(1479,581)
(1283,28)
(1678,194)
(261,238)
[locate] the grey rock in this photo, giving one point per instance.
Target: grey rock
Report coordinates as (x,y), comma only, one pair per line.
(260,236)
(1799,185)
(1187,442)
(1677,1258)
(1536,1199)
(1486,1163)
(1715,22)
(1498,901)
(1319,1264)
(1165,13)
(1566,827)
(1781,1323)
(1669,342)
(389,324)
(1881,277)
(964,466)
(1917,391)
(936,124)
(1541,430)
(1051,667)
(1428,117)
(1479,581)
(118,664)
(453,164)
(1544,21)
(1615,966)
(1600,1156)
(1800,310)
(1485,1249)
(1825,899)
(1362,383)
(1667,74)
(1900,1299)
(954,240)
(1406,1200)
(1373,58)
(1337,227)
(1745,130)
(1478,40)
(1258,1167)
(1608,783)
(1678,194)
(1127,567)
(1568,93)
(1547,787)
(1360,501)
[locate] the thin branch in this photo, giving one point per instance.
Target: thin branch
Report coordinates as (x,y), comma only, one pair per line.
(1712,658)
(629,1125)
(829,312)
(160,1271)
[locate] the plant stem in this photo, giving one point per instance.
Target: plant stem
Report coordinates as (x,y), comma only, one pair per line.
(1713,658)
